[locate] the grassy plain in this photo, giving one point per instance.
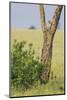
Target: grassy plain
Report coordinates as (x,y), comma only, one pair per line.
(56,85)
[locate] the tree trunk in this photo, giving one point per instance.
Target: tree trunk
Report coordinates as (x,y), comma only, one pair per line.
(48,36)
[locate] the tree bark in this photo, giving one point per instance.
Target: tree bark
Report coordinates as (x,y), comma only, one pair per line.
(48,36)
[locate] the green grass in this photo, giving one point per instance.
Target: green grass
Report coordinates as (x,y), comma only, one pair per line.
(56,85)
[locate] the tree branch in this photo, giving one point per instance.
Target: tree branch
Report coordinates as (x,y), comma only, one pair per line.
(55,19)
(42,17)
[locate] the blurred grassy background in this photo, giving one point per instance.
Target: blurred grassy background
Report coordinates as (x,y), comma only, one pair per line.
(55,85)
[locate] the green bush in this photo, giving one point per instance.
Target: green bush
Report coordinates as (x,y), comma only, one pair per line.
(25,67)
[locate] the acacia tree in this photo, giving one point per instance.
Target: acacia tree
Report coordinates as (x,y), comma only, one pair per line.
(48,37)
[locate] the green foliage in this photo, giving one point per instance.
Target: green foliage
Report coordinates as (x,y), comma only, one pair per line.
(25,68)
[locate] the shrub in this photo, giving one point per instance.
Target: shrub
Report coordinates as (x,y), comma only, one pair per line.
(25,68)
(32,27)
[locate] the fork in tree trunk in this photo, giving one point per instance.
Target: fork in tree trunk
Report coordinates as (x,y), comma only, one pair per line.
(48,36)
